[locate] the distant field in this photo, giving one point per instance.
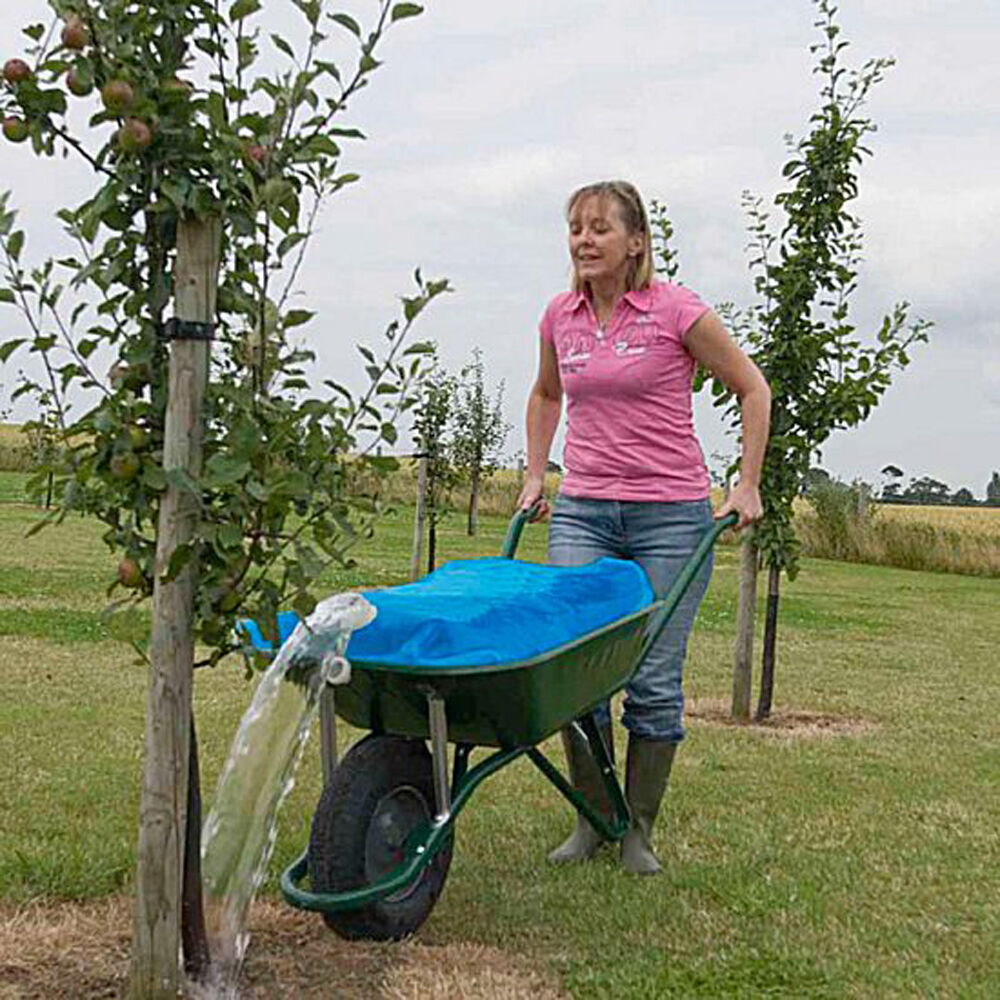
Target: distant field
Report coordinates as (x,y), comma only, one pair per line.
(15,452)
(978,520)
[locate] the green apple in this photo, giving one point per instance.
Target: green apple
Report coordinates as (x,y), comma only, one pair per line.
(15,129)
(79,82)
(177,88)
(137,437)
(118,96)
(125,466)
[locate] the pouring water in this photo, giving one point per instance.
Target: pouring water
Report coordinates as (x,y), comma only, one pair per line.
(240,831)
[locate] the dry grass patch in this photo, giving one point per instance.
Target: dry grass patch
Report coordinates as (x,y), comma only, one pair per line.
(81,951)
(78,950)
(787,722)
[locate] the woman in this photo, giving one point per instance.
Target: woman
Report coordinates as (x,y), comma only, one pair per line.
(624,347)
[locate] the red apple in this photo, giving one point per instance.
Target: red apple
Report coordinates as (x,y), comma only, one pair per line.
(15,129)
(16,71)
(75,34)
(129,574)
(118,96)
(134,136)
(257,154)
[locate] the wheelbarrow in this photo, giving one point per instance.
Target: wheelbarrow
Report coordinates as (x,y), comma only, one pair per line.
(382,834)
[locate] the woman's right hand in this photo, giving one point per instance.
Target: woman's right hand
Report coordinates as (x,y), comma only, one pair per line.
(532,496)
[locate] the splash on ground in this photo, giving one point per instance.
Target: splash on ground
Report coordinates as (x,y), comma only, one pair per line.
(80,951)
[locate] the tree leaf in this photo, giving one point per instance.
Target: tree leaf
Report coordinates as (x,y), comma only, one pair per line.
(243,8)
(179,558)
(348,22)
(224,470)
(280,43)
(297,317)
(9,347)
(403,10)
(15,243)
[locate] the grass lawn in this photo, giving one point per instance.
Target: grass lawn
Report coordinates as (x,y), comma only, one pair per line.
(856,855)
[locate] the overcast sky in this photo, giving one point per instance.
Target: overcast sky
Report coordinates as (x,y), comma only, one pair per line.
(486,115)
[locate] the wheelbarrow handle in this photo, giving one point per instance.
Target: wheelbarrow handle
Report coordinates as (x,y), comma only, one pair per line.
(517,523)
(666,607)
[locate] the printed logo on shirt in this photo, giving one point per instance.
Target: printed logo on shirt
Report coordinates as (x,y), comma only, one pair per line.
(636,338)
(574,349)
(624,349)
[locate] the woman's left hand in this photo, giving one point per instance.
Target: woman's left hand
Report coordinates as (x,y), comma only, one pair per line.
(744,499)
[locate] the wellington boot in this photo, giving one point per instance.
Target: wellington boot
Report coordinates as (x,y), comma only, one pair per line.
(584,841)
(647,770)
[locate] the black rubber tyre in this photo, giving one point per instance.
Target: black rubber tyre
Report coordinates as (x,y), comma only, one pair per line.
(381,790)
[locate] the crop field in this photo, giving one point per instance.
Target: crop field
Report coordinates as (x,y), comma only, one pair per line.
(847,849)
(984,521)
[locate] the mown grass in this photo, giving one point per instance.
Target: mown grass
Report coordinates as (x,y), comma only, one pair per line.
(862,864)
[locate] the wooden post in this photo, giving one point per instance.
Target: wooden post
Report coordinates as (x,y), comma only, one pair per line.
(155,971)
(473,523)
(418,518)
(743,653)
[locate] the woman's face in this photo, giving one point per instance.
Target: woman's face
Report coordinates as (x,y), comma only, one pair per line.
(599,244)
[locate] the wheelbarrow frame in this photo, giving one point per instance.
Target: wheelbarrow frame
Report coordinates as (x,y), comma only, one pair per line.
(387,699)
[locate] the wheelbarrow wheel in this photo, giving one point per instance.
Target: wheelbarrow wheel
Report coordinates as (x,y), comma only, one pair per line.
(380,793)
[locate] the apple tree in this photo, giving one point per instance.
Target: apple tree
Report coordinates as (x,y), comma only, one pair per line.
(199,126)
(824,375)
(479,431)
(432,420)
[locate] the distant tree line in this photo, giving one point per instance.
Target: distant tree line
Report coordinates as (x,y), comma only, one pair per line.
(928,490)
(921,490)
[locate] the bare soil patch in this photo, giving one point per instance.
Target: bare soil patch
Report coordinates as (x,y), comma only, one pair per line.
(80,951)
(786,722)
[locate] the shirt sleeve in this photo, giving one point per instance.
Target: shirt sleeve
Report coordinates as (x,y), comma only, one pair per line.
(546,325)
(688,307)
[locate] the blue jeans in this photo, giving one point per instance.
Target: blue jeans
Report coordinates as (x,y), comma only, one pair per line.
(660,537)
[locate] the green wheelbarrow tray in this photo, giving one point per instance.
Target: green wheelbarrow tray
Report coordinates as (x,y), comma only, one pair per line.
(509,707)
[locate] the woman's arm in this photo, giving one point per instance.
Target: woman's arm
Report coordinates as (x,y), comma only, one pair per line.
(544,409)
(711,346)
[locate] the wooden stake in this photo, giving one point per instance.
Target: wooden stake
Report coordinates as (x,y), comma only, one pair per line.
(743,653)
(418,518)
(155,969)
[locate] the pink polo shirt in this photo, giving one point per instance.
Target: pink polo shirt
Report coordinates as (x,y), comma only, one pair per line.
(630,433)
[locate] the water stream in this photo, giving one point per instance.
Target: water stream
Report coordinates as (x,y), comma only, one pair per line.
(239,832)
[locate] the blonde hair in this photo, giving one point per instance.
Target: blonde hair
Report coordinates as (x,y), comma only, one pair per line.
(633,214)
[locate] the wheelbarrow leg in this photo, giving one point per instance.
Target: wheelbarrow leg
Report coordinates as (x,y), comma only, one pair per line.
(604,757)
(609,827)
(327,732)
(439,753)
